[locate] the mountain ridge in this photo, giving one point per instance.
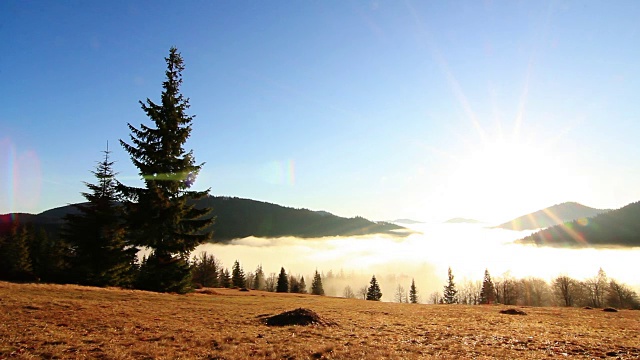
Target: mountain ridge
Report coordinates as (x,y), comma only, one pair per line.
(550,216)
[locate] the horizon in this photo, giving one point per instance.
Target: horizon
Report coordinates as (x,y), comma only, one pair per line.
(486,111)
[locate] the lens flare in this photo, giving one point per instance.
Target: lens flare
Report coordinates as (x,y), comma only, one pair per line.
(20,179)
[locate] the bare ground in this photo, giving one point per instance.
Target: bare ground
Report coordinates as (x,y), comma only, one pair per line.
(66,321)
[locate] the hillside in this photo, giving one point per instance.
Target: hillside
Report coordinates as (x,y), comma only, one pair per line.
(554,215)
(68,321)
(615,228)
(240,218)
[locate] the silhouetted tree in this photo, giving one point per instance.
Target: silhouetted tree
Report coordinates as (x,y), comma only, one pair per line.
(597,289)
(271,282)
(237,275)
(413,292)
(205,270)
(225,278)
(100,252)
(450,294)
(362,292)
(373,291)
(564,288)
(621,296)
(487,294)
(283,282)
(316,285)
(294,284)
(15,262)
(399,295)
(162,216)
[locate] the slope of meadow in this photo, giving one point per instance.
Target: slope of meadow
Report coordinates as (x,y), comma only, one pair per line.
(66,321)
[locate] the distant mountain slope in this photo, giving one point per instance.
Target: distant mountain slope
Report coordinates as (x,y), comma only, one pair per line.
(239,218)
(615,228)
(554,215)
(406,221)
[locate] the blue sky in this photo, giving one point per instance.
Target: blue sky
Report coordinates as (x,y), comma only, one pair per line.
(384,109)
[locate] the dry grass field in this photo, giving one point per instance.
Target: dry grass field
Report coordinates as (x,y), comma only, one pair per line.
(54,321)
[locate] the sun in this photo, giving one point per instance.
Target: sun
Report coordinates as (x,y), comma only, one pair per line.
(501,179)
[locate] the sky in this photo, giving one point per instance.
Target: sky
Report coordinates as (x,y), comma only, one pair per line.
(383,109)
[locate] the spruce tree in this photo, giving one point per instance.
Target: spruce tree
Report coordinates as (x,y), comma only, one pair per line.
(487,294)
(316,284)
(373,291)
(237,275)
(162,215)
(303,285)
(15,261)
(225,278)
(100,253)
(413,292)
(450,294)
(283,282)
(205,270)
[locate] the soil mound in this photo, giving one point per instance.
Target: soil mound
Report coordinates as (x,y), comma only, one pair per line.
(298,316)
(513,312)
(610,309)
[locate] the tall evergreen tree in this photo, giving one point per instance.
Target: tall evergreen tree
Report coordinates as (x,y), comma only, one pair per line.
(413,292)
(205,270)
(303,285)
(316,284)
(162,216)
(488,293)
(100,253)
(237,275)
(450,294)
(283,281)
(373,291)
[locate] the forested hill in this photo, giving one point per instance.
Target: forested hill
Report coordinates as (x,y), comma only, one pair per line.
(554,215)
(615,228)
(238,218)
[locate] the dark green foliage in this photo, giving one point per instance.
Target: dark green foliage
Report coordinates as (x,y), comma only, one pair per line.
(161,216)
(450,294)
(283,282)
(316,285)
(413,293)
(237,275)
(157,275)
(225,278)
(488,292)
(100,254)
(617,227)
(373,291)
(15,261)
(205,270)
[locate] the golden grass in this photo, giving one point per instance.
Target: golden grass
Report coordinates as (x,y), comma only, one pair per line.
(66,321)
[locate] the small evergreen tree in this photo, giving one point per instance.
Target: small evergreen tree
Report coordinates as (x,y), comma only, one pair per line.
(450,294)
(283,282)
(373,291)
(99,250)
(259,279)
(225,278)
(15,260)
(205,270)
(488,292)
(237,275)
(316,285)
(162,216)
(303,285)
(413,292)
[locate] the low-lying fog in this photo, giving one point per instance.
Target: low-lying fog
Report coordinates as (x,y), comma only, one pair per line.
(425,256)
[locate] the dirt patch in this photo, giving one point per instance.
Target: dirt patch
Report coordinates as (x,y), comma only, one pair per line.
(513,312)
(207,292)
(298,316)
(610,309)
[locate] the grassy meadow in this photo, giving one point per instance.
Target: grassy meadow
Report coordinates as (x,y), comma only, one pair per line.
(67,321)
